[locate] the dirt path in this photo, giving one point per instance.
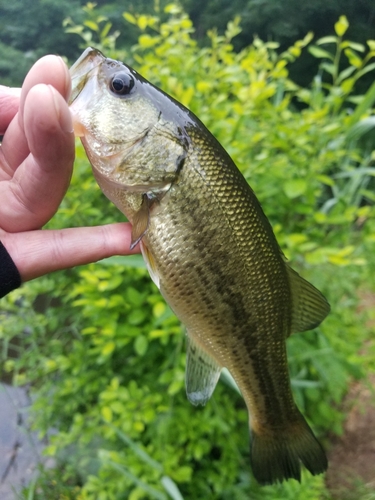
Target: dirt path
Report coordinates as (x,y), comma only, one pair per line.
(351,474)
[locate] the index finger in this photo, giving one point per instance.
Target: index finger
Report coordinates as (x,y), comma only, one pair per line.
(50,70)
(9,103)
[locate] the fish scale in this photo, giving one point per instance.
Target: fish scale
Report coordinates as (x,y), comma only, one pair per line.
(209,248)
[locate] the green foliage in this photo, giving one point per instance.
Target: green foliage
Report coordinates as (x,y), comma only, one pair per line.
(29,30)
(9,71)
(103,352)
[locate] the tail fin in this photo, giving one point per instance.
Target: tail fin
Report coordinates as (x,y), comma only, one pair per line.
(276,455)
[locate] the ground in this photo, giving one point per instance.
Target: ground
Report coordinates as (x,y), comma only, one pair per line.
(351,474)
(352,456)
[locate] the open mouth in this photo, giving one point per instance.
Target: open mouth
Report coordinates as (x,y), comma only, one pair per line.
(82,70)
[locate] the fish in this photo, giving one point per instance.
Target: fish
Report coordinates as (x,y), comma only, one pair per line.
(209,248)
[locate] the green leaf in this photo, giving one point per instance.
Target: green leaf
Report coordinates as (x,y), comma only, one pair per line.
(147,41)
(364,105)
(183,473)
(108,348)
(142,22)
(341,26)
(354,60)
(136,316)
(105,30)
(345,73)
(329,67)
(133,296)
(366,69)
(347,85)
(93,26)
(171,488)
(107,413)
(360,128)
(151,492)
(325,179)
(141,345)
(135,261)
(130,18)
(320,53)
(295,188)
(172,8)
(353,45)
(306,40)
(326,39)
(159,309)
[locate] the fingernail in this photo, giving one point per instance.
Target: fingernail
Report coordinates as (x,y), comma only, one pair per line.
(62,111)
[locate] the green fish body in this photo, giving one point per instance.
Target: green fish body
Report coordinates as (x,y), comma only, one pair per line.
(209,248)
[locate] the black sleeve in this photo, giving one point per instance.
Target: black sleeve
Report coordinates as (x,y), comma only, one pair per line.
(9,276)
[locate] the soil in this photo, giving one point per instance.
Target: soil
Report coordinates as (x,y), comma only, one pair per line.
(352,458)
(351,473)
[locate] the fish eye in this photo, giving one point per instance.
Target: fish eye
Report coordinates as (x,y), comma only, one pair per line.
(122,83)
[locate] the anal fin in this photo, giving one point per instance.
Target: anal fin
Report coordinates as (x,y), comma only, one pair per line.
(202,373)
(310,307)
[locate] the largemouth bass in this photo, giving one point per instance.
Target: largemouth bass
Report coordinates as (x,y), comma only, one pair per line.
(208,247)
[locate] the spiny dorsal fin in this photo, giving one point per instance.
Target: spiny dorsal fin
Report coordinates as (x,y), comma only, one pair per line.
(140,222)
(202,373)
(309,306)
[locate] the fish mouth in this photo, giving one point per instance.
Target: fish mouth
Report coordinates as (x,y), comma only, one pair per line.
(82,70)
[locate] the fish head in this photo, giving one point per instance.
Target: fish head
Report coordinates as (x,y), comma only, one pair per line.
(134,134)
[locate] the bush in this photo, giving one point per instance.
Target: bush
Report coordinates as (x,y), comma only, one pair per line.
(105,355)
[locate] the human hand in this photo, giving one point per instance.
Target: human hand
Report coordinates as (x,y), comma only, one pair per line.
(36,161)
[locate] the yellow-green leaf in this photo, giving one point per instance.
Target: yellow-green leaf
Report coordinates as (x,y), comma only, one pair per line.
(341,26)
(203,86)
(147,41)
(159,309)
(108,348)
(172,8)
(130,18)
(107,413)
(93,26)
(295,187)
(347,85)
(142,22)
(354,60)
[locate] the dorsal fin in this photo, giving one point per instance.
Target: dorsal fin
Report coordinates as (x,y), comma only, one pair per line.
(309,306)
(202,373)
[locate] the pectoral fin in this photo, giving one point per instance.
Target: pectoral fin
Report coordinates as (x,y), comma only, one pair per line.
(140,222)
(202,373)
(310,307)
(151,264)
